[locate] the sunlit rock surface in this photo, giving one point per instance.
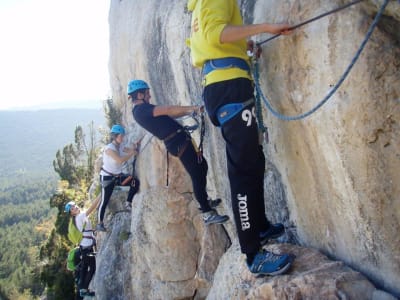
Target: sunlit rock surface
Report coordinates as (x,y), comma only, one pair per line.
(331,178)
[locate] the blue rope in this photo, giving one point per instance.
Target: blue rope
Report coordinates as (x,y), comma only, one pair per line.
(334,89)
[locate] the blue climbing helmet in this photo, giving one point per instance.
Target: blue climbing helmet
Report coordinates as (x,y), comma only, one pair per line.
(68,206)
(117,129)
(135,85)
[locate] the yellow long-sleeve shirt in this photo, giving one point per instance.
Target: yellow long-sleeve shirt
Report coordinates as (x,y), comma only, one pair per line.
(209,18)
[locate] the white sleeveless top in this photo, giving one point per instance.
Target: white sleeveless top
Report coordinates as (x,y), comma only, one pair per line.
(82,220)
(109,164)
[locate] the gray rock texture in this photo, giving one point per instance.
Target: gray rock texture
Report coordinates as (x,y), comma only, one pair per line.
(332,178)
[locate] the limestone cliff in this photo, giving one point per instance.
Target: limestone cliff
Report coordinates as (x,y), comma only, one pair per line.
(332,178)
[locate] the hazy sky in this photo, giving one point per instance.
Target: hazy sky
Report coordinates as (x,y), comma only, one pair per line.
(53,51)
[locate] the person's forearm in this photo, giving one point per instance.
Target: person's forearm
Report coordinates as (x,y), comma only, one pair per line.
(94,205)
(232,33)
(174,111)
(118,158)
(127,157)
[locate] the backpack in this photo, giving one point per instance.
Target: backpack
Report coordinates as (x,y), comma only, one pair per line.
(74,235)
(73,259)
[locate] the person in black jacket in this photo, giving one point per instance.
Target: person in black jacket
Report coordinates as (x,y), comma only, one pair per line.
(159,121)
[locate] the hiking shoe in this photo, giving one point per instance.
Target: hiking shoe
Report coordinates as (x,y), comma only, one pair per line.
(212,217)
(100,227)
(86,293)
(268,263)
(128,206)
(274,231)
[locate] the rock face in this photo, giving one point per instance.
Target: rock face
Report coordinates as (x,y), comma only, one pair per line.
(332,178)
(160,250)
(313,276)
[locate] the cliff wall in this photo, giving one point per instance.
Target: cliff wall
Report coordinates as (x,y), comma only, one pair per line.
(332,178)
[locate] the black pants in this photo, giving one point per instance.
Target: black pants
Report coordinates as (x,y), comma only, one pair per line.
(196,166)
(87,268)
(245,160)
(107,187)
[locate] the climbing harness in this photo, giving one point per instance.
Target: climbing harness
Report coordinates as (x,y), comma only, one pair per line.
(131,178)
(192,128)
(228,111)
(106,182)
(188,130)
(335,87)
(224,63)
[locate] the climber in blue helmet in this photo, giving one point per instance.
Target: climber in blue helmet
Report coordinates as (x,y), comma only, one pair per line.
(111,175)
(87,267)
(160,121)
(117,129)
(136,85)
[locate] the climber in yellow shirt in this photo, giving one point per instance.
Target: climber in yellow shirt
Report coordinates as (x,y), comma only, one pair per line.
(218,46)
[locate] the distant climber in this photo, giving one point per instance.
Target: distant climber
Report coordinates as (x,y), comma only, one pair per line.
(114,157)
(159,121)
(80,219)
(218,46)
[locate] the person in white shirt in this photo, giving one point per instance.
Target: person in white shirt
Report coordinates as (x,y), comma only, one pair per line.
(114,157)
(88,262)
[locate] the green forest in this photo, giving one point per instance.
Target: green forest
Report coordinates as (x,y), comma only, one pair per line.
(25,222)
(48,162)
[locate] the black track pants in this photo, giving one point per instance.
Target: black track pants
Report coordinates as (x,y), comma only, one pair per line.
(197,170)
(245,160)
(88,268)
(107,187)
(182,146)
